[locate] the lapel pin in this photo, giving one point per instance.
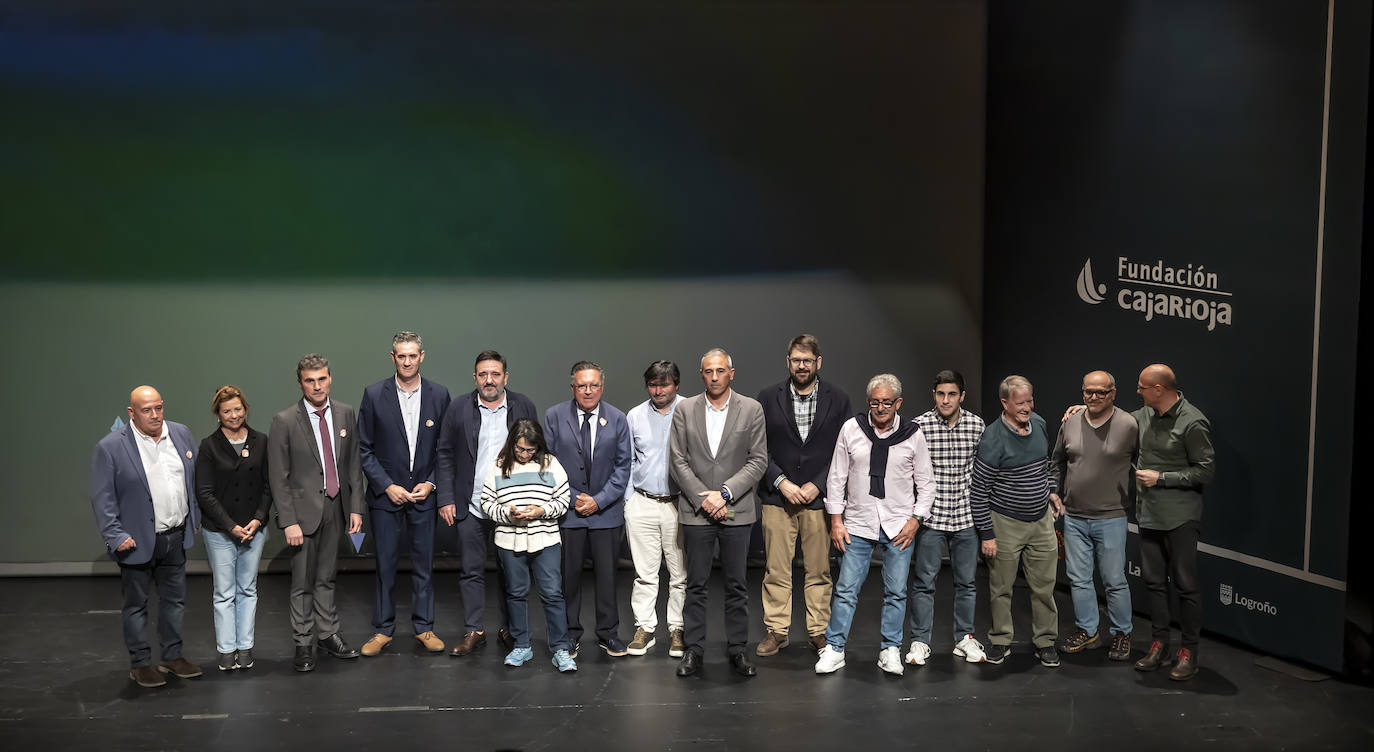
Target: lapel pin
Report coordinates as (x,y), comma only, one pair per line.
(343,432)
(429,423)
(245,451)
(188,454)
(603,421)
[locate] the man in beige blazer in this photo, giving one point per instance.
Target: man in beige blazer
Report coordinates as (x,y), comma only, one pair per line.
(718,451)
(315,475)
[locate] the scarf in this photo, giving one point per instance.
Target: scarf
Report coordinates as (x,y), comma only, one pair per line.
(877,458)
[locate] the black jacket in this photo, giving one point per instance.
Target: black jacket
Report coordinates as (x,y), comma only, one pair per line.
(230,488)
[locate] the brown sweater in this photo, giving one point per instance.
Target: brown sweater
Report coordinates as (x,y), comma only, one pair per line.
(1092,466)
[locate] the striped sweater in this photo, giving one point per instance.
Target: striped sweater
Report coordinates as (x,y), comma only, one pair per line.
(1011,475)
(526,485)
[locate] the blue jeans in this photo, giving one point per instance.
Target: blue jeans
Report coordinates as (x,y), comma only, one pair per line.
(546,566)
(963,563)
(853,571)
(1106,539)
(167,572)
(235,569)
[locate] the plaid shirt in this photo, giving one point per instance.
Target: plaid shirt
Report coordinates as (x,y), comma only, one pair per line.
(952,451)
(803,408)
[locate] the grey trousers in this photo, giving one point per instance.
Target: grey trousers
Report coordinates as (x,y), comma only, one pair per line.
(313,569)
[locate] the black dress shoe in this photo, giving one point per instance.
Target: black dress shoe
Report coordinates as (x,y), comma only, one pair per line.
(335,646)
(742,665)
(305,658)
(690,665)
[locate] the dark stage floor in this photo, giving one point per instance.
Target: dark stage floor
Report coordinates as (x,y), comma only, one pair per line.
(65,687)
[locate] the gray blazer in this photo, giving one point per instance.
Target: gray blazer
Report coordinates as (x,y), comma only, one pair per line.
(739,461)
(294,471)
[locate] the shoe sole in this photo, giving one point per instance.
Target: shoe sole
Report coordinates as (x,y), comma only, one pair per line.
(677,653)
(831,671)
(969,658)
(1048,664)
(760,653)
(612,653)
(146,686)
(305,669)
(895,671)
(427,648)
(641,651)
(165,670)
(995,661)
(1082,648)
(1118,656)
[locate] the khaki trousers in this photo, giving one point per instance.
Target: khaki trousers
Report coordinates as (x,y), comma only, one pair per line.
(782,526)
(1034,547)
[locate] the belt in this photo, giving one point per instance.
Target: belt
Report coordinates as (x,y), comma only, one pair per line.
(171,530)
(656,497)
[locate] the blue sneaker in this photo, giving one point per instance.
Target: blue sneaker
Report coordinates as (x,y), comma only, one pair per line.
(519,656)
(563,661)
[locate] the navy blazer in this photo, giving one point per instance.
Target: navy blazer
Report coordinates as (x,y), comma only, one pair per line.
(788,455)
(122,500)
(457,455)
(610,466)
(384,448)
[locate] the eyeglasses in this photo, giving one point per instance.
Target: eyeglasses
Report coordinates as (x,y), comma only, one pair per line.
(587,387)
(1143,387)
(1097,393)
(525,450)
(799,362)
(873,403)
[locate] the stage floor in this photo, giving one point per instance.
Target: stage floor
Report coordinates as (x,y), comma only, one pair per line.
(65,687)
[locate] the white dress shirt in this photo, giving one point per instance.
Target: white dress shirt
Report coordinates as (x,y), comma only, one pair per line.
(166,478)
(319,444)
(715,421)
(410,415)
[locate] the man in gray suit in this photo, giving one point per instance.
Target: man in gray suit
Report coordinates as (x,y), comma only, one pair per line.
(718,451)
(315,473)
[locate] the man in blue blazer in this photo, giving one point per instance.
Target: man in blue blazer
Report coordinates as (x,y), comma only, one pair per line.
(398,440)
(591,440)
(474,430)
(143,495)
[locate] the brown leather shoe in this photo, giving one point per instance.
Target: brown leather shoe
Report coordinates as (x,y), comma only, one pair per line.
(430,642)
(1185,665)
(147,676)
(817,641)
(180,668)
(1153,657)
(771,644)
(375,644)
(471,641)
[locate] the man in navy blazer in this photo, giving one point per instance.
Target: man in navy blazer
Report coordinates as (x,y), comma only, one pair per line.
(591,440)
(474,430)
(398,441)
(143,495)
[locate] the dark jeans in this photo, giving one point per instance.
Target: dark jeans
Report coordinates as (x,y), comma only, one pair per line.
(1170,556)
(392,530)
(475,538)
(698,544)
(604,546)
(166,570)
(544,566)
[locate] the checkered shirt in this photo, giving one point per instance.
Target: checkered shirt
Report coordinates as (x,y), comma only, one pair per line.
(804,408)
(952,451)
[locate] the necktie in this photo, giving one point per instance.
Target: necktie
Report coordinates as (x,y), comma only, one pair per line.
(331,475)
(585,439)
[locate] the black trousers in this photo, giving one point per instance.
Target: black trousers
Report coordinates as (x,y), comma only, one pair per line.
(699,545)
(167,571)
(604,546)
(475,539)
(1170,556)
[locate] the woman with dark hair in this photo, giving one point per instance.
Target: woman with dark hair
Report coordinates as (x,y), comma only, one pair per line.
(231,488)
(525,494)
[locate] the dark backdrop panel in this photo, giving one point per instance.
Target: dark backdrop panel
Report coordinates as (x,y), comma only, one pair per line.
(1155,191)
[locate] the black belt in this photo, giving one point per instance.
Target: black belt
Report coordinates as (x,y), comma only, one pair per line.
(176,529)
(656,497)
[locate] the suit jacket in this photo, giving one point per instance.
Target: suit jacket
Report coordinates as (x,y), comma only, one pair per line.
(457,455)
(788,455)
(122,500)
(294,471)
(384,448)
(609,470)
(232,489)
(740,459)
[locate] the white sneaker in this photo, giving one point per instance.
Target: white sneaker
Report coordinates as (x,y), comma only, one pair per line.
(831,660)
(890,660)
(918,654)
(970,650)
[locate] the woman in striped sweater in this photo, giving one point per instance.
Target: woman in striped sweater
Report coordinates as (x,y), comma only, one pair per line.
(525,494)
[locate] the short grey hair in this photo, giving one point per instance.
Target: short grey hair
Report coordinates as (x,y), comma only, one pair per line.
(587,365)
(729,361)
(887,380)
(1012,383)
(402,337)
(311,362)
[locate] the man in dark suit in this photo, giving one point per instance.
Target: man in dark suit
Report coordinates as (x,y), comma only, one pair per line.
(718,452)
(591,440)
(143,495)
(315,475)
(474,430)
(803,415)
(398,438)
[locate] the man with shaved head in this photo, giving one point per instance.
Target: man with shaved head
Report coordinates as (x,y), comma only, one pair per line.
(1092,470)
(142,492)
(1176,462)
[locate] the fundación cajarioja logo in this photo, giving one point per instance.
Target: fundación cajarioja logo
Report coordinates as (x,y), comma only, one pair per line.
(1158,289)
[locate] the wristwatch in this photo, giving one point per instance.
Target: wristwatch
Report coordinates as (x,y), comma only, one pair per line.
(725,493)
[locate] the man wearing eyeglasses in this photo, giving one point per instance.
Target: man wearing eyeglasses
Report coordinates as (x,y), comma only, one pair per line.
(803,416)
(591,440)
(1176,462)
(1092,468)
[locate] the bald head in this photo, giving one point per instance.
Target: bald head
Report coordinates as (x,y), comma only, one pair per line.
(1159,374)
(1158,388)
(1099,393)
(145,411)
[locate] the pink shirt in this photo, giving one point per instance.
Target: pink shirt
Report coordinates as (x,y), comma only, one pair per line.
(910,482)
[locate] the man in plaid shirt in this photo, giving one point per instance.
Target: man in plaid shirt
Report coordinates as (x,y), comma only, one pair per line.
(952,434)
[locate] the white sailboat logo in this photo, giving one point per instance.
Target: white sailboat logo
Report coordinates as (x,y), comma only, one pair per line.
(1091,292)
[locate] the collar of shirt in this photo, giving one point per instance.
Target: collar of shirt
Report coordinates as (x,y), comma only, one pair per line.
(150,439)
(671,408)
(595,411)
(729,395)
(308,408)
(896,421)
(483,406)
(796,395)
(408,392)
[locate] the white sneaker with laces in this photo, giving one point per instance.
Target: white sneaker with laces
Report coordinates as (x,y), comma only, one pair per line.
(970,650)
(918,654)
(890,660)
(831,660)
